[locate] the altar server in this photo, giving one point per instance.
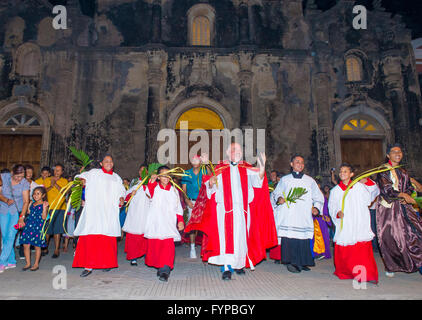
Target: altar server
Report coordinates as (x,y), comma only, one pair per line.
(99,226)
(353,255)
(295,223)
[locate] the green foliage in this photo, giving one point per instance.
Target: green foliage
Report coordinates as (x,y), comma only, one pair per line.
(153,167)
(82,157)
(296,194)
(418,201)
(76,195)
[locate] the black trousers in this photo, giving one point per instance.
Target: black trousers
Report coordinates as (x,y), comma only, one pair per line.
(296,252)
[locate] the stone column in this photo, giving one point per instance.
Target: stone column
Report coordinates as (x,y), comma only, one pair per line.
(244,23)
(393,83)
(156,22)
(325,143)
(245,81)
(155,78)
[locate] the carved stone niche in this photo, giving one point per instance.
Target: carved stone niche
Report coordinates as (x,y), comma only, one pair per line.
(392,69)
(13,36)
(26,70)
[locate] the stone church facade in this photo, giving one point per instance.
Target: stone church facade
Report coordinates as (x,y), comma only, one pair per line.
(113,79)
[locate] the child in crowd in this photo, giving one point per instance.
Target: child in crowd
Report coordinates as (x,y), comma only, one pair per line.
(322,225)
(353,255)
(134,226)
(31,233)
(165,213)
(70,227)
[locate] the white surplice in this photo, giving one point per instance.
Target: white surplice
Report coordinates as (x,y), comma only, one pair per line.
(137,212)
(357,219)
(295,221)
(237,260)
(161,222)
(100,215)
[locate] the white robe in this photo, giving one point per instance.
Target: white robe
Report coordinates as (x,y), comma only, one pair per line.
(295,221)
(100,215)
(137,212)
(374,191)
(161,222)
(237,260)
(357,219)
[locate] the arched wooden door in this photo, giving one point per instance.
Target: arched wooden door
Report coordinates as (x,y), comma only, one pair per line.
(188,142)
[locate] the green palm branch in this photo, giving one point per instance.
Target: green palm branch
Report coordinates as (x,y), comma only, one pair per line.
(83,161)
(294,195)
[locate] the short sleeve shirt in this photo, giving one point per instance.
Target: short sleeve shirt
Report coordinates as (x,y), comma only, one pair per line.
(12,192)
(53,193)
(193,183)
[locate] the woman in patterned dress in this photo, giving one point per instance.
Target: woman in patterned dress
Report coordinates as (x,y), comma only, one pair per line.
(31,233)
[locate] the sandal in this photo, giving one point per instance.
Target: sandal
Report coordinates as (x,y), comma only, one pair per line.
(26,268)
(34,269)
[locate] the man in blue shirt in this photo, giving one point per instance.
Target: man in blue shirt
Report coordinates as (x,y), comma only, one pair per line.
(191,185)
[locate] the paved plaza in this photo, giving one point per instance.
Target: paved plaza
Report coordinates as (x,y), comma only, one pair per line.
(192,279)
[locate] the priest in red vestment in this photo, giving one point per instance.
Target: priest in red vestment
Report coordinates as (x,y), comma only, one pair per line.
(234,212)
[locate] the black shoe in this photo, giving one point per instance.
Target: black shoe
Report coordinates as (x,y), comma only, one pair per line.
(106,270)
(277,261)
(133,263)
(240,271)
(293,268)
(55,256)
(86,273)
(227,275)
(164,277)
(305,268)
(44,252)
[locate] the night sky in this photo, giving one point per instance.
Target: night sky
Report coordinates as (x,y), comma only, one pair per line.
(410,10)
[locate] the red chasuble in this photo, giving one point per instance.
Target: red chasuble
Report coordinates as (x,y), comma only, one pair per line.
(262,232)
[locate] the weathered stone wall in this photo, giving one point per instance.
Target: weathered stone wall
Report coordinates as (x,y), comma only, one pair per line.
(120,71)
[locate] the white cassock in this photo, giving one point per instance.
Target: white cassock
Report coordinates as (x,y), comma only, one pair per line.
(137,212)
(100,215)
(352,243)
(374,190)
(237,260)
(356,221)
(161,222)
(295,221)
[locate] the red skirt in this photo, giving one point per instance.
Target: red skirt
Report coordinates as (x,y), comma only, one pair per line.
(275,253)
(135,246)
(96,251)
(355,262)
(160,253)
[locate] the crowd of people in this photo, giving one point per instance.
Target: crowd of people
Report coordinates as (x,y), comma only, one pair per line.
(234,213)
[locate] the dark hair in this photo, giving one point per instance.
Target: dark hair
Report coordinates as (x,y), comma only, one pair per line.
(295,156)
(18,169)
(45,169)
(5,170)
(59,165)
(104,155)
(274,171)
(162,168)
(143,165)
(347,165)
(395,145)
(28,166)
(43,192)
